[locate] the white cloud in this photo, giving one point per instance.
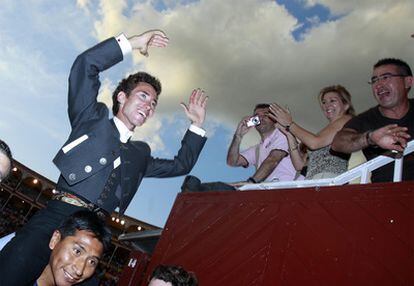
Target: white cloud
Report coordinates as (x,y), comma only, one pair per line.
(83,4)
(150,133)
(112,21)
(105,92)
(242,53)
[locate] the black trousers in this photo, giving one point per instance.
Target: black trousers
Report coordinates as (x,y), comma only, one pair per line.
(23,259)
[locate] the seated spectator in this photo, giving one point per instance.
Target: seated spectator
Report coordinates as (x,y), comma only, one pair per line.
(77,246)
(387,126)
(166,275)
(270,157)
(337,107)
(5,160)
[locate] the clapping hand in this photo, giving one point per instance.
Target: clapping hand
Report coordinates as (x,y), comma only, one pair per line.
(196,108)
(280,115)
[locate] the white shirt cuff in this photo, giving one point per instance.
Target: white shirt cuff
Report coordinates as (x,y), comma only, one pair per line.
(124,44)
(197,130)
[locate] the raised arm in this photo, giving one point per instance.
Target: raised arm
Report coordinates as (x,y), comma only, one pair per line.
(191,145)
(297,157)
(389,137)
(234,158)
(182,163)
(312,141)
(84,80)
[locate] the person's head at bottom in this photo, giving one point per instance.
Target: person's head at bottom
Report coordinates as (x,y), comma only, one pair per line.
(5,160)
(77,246)
(170,275)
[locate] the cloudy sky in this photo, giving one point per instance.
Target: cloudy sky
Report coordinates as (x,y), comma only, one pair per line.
(241,52)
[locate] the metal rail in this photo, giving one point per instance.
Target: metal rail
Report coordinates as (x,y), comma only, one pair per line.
(361,171)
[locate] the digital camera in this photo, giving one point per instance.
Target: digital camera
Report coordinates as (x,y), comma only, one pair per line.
(253,121)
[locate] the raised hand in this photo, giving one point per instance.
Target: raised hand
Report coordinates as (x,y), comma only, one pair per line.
(390,137)
(280,115)
(242,128)
(196,108)
(151,38)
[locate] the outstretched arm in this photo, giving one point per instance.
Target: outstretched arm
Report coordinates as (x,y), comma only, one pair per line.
(84,75)
(234,158)
(297,157)
(312,141)
(191,144)
(389,137)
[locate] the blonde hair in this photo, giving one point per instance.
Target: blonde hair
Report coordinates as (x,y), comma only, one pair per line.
(343,94)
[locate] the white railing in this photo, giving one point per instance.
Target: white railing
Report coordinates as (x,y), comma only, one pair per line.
(362,171)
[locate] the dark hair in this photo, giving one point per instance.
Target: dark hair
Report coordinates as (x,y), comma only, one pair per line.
(403,67)
(4,148)
(89,221)
(177,275)
(128,84)
(261,105)
(343,94)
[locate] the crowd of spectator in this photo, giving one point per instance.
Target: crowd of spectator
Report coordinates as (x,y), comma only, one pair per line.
(11,218)
(382,130)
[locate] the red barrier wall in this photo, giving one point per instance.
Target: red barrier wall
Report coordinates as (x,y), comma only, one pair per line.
(348,235)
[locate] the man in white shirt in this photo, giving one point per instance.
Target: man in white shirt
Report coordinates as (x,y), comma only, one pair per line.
(270,157)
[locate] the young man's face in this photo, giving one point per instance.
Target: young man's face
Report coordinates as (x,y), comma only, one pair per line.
(74,258)
(140,105)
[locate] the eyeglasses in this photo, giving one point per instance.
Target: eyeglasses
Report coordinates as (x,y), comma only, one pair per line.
(384,77)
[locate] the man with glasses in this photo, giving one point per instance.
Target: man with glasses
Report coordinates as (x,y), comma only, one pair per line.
(387,126)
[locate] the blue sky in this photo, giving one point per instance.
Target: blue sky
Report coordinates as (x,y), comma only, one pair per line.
(308,16)
(240,51)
